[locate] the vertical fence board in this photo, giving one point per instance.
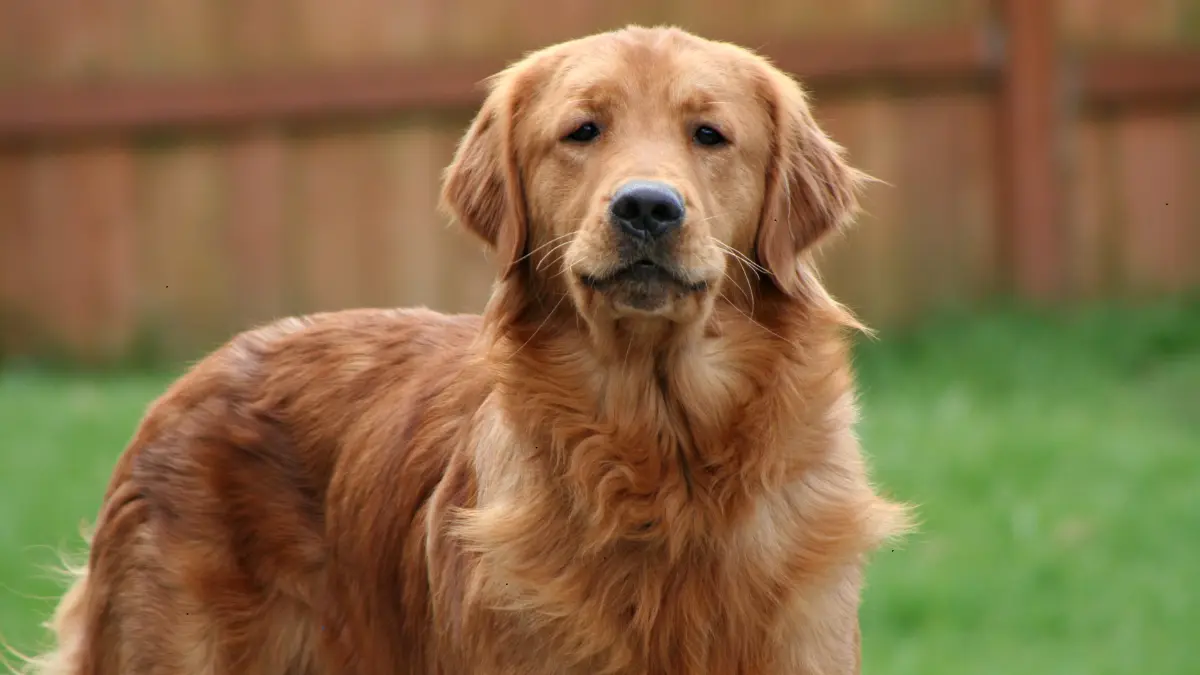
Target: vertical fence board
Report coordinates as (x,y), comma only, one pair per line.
(412,31)
(256,228)
(975,221)
(13,35)
(418,250)
(476,27)
(181,38)
(71,40)
(56,248)
(1029,131)
(103,209)
(73,225)
(466,272)
(928,180)
(386,219)
(541,22)
(329,32)
(406,248)
(259,37)
(186,290)
(1156,196)
(863,267)
(1125,24)
(328,169)
(1092,216)
(16,263)
(1190,245)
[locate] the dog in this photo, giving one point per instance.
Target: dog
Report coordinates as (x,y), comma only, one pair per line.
(639,459)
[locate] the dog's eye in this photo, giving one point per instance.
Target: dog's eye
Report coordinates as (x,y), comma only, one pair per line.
(585,133)
(706,135)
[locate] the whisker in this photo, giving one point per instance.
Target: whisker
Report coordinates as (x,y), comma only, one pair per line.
(746,266)
(540,325)
(738,286)
(563,269)
(749,284)
(742,257)
(539,248)
(551,252)
(746,271)
(712,217)
(756,323)
(628,348)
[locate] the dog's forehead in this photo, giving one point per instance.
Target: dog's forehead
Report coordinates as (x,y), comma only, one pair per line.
(672,67)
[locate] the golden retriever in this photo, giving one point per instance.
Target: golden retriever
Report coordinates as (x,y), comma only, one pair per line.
(639,460)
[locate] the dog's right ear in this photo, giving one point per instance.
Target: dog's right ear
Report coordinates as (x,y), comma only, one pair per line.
(482,186)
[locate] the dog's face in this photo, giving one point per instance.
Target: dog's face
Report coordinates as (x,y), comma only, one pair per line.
(664,147)
(631,169)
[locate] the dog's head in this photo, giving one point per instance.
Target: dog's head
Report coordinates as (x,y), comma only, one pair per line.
(630,169)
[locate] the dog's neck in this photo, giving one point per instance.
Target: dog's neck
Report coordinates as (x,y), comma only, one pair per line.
(647,423)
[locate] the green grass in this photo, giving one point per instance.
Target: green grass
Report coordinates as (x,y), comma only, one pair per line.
(1055,461)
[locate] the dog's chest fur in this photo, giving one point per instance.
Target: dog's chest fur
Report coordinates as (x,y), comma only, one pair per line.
(600,546)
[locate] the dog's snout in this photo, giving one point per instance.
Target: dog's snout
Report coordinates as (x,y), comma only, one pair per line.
(647,208)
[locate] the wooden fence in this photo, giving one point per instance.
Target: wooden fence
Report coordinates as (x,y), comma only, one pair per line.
(173,171)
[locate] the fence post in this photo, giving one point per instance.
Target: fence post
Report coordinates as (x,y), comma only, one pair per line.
(1031,188)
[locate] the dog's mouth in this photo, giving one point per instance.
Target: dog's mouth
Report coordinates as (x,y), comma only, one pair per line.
(643,273)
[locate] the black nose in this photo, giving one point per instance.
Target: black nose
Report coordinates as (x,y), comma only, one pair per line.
(647,208)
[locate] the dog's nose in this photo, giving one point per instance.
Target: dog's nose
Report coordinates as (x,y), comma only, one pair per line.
(647,208)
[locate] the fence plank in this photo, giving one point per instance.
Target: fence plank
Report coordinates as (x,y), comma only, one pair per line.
(976,223)
(466,273)
(187,298)
(863,269)
(53,277)
(1157,194)
(181,38)
(103,201)
(258,38)
(16,261)
(1092,222)
(325,216)
(77,234)
(1029,119)
(256,227)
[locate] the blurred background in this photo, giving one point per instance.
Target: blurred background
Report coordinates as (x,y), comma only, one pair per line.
(173,172)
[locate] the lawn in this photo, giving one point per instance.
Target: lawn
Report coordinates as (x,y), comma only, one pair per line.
(1055,461)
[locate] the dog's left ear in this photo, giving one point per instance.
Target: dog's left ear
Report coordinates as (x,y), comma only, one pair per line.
(810,189)
(482,187)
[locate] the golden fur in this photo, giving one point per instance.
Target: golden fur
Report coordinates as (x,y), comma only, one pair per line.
(642,480)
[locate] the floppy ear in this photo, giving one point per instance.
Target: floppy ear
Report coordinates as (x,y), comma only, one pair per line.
(810,190)
(482,186)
